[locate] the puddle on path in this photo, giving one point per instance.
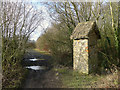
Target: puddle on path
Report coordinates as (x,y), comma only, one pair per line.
(35,59)
(36,67)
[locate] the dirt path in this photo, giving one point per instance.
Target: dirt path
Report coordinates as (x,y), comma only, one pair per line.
(43,78)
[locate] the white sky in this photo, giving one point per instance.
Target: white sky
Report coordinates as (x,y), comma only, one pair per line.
(61,0)
(45,23)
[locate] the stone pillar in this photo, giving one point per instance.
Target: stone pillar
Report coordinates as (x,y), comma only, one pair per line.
(80,55)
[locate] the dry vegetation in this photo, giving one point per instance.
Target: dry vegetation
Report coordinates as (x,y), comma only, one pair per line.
(66,16)
(56,39)
(18,20)
(74,79)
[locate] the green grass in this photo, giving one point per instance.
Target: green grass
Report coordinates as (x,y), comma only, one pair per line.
(74,79)
(42,52)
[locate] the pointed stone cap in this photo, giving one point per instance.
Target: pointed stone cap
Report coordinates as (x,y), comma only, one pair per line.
(82,30)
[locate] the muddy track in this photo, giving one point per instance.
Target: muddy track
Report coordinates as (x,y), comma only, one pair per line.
(44,60)
(43,78)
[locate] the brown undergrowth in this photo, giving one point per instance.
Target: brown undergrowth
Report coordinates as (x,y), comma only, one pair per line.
(74,79)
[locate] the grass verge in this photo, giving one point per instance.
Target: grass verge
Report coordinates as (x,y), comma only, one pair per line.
(42,52)
(74,79)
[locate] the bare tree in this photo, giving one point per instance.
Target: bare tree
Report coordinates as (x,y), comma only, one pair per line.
(18,21)
(69,14)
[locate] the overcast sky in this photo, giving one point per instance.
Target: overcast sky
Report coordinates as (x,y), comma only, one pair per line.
(62,0)
(45,23)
